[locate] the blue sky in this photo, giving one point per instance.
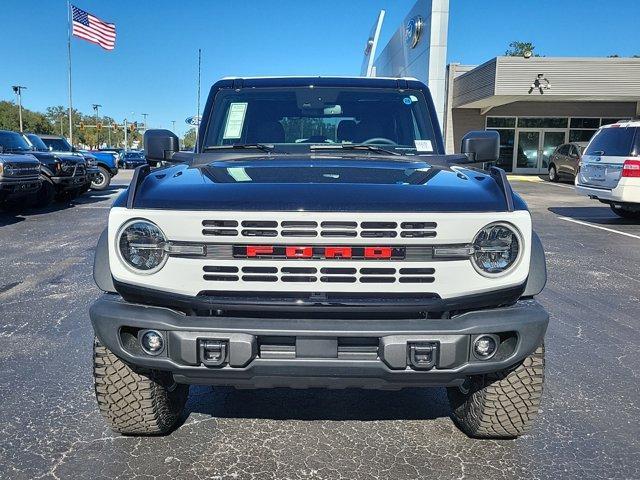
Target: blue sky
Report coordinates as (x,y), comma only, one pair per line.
(153,68)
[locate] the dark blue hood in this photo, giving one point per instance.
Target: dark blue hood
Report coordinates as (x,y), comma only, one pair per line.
(321,183)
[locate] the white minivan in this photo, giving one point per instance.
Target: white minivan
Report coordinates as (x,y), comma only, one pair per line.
(609,170)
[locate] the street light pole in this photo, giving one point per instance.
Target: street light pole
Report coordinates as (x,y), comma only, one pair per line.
(17,89)
(173,126)
(96,106)
(144,115)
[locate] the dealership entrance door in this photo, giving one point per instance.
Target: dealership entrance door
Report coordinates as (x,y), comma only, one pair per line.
(534,147)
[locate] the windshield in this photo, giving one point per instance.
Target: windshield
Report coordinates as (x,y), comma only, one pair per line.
(13,141)
(134,155)
(37,142)
(613,141)
(290,117)
(57,144)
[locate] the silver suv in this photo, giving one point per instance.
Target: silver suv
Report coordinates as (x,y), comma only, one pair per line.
(563,163)
(610,168)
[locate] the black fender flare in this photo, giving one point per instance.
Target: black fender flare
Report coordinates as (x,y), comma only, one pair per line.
(46,171)
(537,268)
(101,270)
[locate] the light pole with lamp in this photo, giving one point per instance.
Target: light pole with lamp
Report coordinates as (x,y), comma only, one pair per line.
(17,89)
(96,106)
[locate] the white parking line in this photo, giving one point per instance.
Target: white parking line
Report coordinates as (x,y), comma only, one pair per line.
(570,187)
(600,228)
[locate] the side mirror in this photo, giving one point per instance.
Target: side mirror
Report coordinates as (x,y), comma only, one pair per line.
(481,146)
(160,145)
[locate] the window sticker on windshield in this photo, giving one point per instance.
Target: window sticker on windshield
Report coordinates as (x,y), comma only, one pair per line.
(423,145)
(407,100)
(235,120)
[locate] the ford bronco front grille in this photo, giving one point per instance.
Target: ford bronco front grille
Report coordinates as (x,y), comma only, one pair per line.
(293,274)
(311,229)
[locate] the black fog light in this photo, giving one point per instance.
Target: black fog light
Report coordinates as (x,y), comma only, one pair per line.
(151,342)
(485,347)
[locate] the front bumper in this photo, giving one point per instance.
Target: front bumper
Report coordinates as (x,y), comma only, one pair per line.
(330,352)
(16,187)
(71,182)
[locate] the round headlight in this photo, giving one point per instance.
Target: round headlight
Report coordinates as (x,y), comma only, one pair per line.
(497,248)
(141,246)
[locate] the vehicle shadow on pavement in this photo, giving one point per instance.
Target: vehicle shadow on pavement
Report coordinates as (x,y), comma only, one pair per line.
(9,218)
(600,215)
(17,213)
(319,404)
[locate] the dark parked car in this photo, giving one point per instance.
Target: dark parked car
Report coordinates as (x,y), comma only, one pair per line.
(133,159)
(106,166)
(563,163)
(90,164)
(60,174)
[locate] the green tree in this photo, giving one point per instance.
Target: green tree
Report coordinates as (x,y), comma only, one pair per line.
(189,139)
(518,49)
(31,121)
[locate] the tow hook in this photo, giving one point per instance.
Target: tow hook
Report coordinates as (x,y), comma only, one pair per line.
(213,353)
(422,355)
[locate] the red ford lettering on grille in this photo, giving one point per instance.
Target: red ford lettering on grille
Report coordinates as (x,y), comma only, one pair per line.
(299,252)
(318,252)
(256,250)
(337,252)
(377,252)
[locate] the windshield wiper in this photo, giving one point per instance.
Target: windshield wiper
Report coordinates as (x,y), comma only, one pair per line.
(265,147)
(351,146)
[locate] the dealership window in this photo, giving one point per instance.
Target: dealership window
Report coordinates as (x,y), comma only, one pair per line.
(577,122)
(581,135)
(609,121)
(507,139)
(501,122)
(542,122)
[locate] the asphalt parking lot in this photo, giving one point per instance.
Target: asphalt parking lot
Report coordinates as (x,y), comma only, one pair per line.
(589,426)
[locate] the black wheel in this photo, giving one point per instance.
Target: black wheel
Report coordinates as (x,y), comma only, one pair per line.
(46,194)
(625,212)
(553,173)
(135,401)
(503,404)
(101,180)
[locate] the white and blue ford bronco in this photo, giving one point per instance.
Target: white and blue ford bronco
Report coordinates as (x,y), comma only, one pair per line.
(319,237)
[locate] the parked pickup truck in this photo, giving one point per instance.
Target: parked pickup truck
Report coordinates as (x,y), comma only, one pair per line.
(19,177)
(320,237)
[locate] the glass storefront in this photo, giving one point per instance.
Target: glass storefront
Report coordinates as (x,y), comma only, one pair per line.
(526,143)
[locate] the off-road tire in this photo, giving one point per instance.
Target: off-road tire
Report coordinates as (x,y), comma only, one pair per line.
(46,194)
(102,181)
(502,404)
(135,401)
(625,213)
(553,174)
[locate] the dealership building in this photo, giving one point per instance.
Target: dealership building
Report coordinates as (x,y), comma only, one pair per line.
(534,103)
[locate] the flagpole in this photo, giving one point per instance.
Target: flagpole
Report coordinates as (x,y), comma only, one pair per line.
(198,108)
(69,61)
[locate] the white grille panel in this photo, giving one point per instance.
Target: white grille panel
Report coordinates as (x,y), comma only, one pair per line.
(313,229)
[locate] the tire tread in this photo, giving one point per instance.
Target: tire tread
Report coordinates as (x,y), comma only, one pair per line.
(503,404)
(134,401)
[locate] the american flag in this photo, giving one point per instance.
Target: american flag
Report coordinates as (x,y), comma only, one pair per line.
(93,29)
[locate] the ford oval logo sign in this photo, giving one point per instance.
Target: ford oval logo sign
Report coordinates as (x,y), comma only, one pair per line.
(195,120)
(413,31)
